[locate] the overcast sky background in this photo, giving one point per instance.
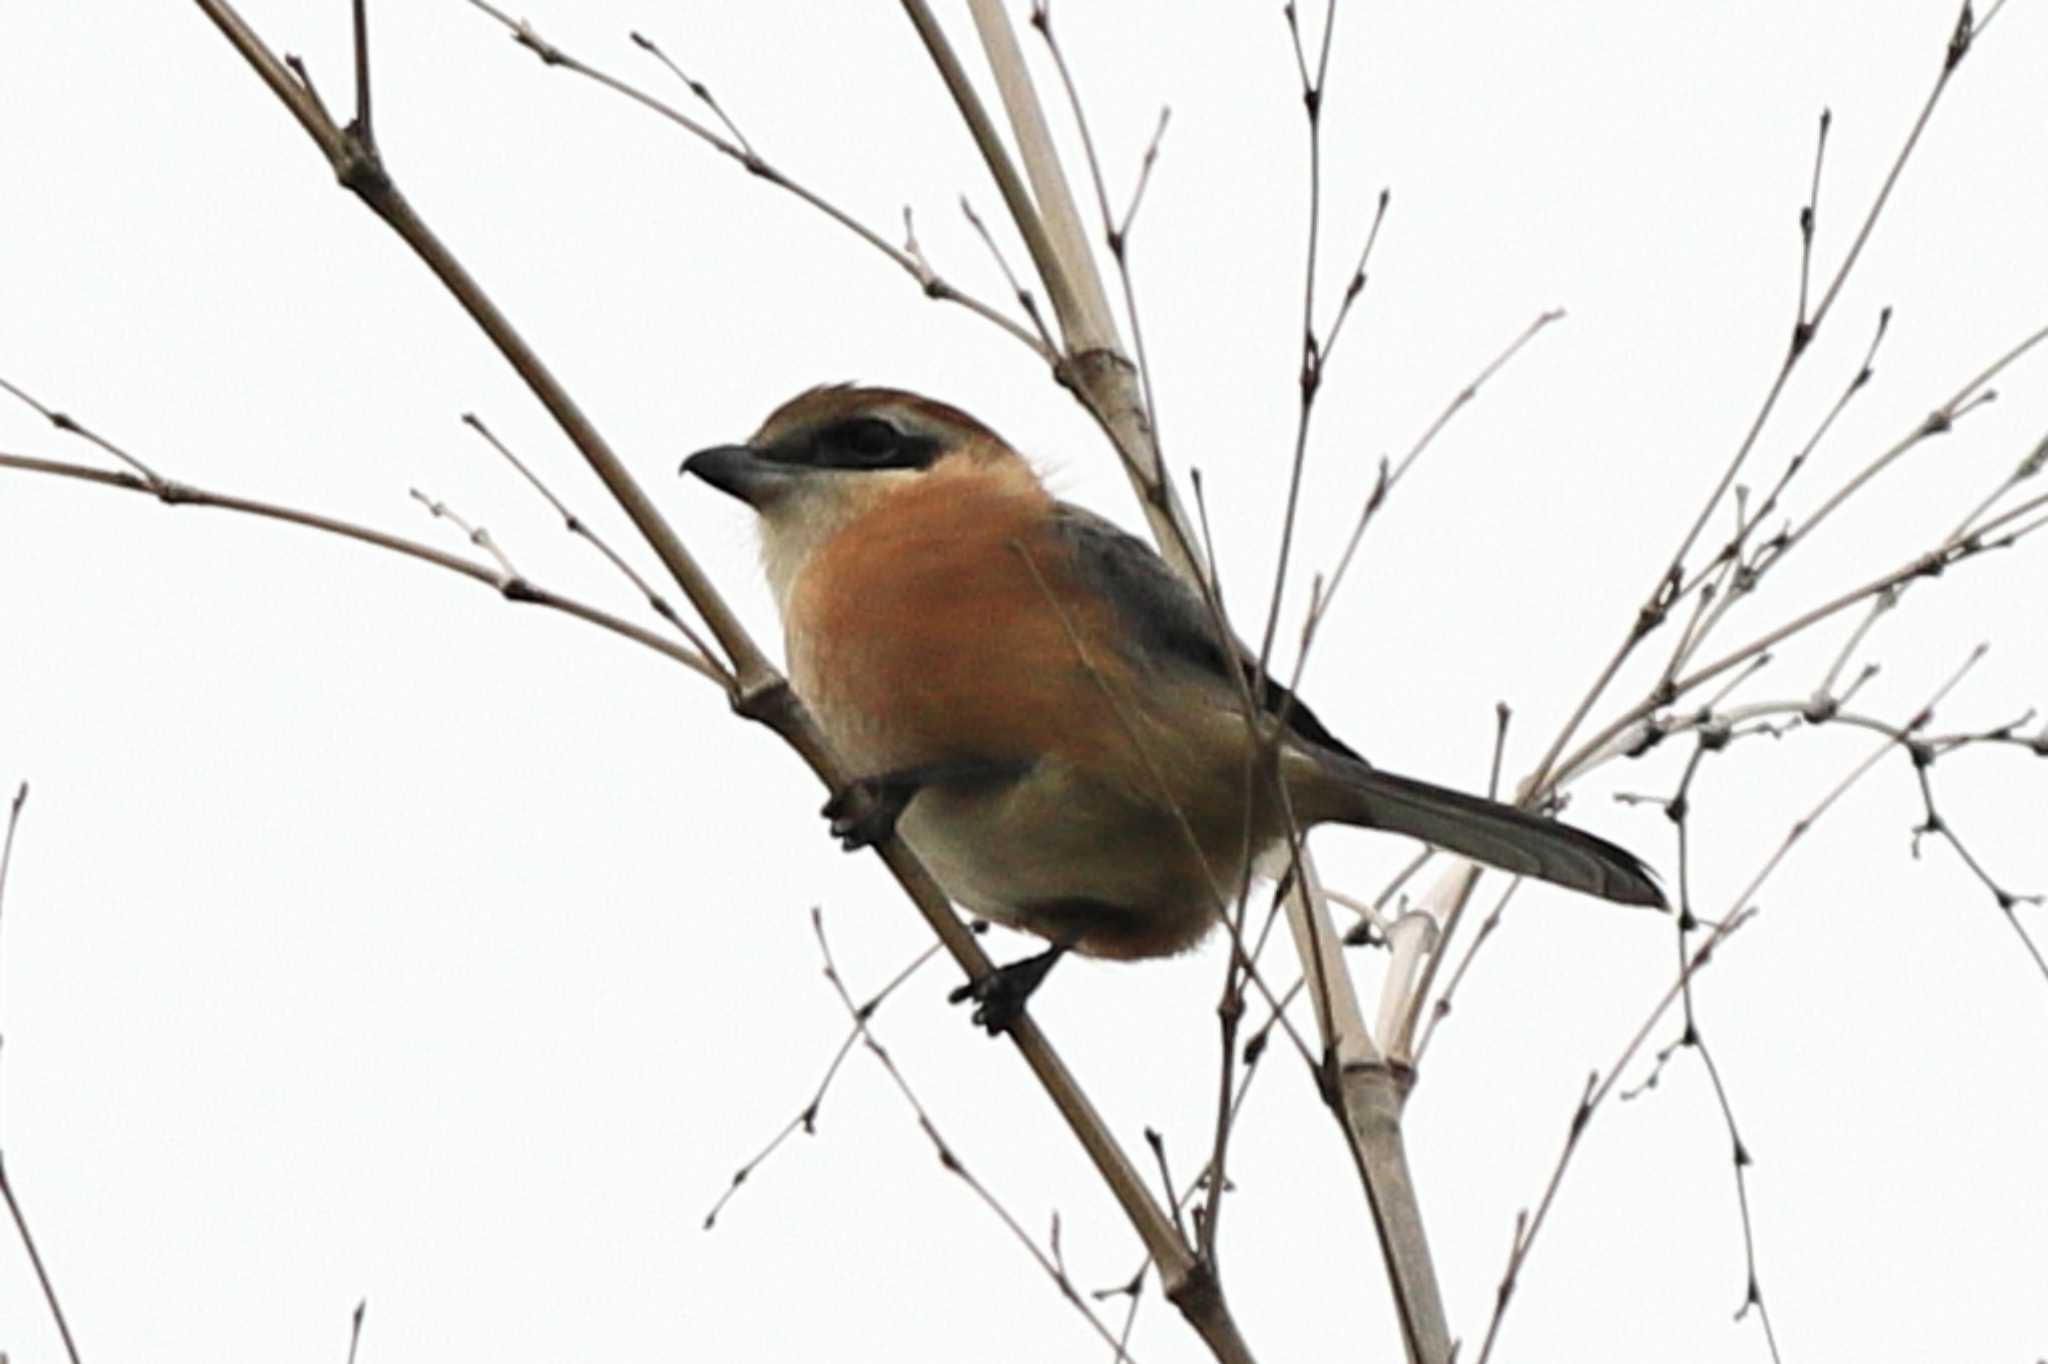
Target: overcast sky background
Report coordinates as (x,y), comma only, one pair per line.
(368,936)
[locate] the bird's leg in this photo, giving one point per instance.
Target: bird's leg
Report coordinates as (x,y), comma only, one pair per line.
(1000,995)
(864,811)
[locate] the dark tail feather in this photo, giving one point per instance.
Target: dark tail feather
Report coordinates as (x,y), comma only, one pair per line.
(1472,826)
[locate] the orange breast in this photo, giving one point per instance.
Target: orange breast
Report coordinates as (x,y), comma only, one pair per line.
(927,632)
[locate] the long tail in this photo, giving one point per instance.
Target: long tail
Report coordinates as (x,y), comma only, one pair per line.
(1351,792)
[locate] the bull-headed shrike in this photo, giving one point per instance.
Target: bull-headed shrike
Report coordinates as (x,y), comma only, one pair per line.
(1041,709)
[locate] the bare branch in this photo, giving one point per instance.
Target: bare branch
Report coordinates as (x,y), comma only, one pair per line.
(1116,235)
(740,150)
(948,1157)
(513,588)
(1025,299)
(806,1118)
(476,535)
(577,526)
(1659,599)
(1741,911)
(14,1209)
(66,424)
(1808,218)
(1389,476)
(1930,564)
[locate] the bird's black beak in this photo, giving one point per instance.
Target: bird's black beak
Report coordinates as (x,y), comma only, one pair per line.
(741,471)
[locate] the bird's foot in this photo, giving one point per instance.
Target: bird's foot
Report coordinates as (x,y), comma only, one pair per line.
(864,811)
(1001,994)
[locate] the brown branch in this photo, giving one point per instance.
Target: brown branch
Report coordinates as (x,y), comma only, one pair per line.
(580,528)
(64,423)
(512,588)
(740,150)
(14,1209)
(1025,298)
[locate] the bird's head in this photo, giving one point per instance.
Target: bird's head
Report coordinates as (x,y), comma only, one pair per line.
(831,454)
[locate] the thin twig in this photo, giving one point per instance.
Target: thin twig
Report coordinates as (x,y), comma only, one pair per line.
(1025,299)
(1940,421)
(1732,573)
(1355,288)
(1388,476)
(1742,910)
(1116,232)
(742,152)
(577,526)
(1161,787)
(1809,215)
(66,424)
(1753,1296)
(1931,564)
(947,1156)
(696,87)
(1715,735)
(1658,600)
(476,535)
(1309,379)
(515,589)
(1441,1008)
(806,1118)
(14,1209)
(361,126)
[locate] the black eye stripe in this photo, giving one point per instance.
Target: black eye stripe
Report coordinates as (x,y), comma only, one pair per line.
(863,437)
(864,442)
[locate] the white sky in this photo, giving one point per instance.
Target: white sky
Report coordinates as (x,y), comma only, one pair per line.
(370,937)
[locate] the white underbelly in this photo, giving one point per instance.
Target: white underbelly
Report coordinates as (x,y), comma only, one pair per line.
(1047,839)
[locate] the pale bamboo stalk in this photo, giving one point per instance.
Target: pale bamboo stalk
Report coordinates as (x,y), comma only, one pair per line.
(1366,1095)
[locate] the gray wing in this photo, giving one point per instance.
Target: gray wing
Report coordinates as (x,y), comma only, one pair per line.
(1169,620)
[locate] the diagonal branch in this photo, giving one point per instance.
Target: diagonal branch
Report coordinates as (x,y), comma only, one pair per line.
(742,151)
(512,587)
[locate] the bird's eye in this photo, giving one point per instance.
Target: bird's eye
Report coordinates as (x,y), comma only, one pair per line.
(866,443)
(867,440)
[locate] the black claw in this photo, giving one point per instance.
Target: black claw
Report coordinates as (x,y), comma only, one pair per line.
(865,812)
(1001,994)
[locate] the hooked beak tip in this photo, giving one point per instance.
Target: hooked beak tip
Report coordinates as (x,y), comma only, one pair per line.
(732,469)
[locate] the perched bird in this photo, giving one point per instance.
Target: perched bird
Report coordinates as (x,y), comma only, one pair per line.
(1046,714)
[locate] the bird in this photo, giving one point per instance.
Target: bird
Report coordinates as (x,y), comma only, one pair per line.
(1050,718)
